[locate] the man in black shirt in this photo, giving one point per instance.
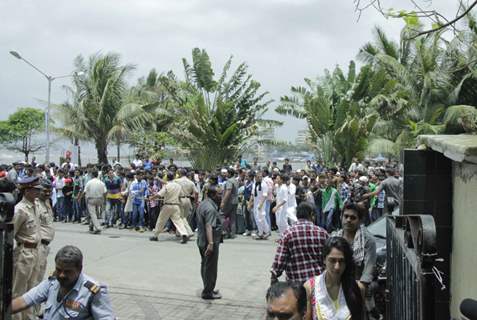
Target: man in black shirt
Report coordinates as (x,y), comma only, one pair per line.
(287,167)
(209,234)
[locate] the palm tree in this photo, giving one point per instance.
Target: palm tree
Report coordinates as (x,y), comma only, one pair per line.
(100,92)
(423,78)
(101,110)
(336,110)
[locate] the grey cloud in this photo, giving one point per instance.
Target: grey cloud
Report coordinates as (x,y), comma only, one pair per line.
(283,41)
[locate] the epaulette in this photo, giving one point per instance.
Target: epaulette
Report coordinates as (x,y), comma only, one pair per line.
(92,287)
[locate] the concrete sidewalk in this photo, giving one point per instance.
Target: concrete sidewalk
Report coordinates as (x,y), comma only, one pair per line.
(161,280)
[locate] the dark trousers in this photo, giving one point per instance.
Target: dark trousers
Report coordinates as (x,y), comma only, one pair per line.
(208,269)
(249,218)
(68,208)
(153,215)
(230,220)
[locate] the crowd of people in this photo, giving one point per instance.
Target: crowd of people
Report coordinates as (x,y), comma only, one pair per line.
(264,197)
(305,206)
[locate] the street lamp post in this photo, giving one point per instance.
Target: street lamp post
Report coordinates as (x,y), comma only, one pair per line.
(47,113)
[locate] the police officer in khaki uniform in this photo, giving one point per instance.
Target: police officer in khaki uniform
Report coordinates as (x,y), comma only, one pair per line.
(26,231)
(171,193)
(47,231)
(189,192)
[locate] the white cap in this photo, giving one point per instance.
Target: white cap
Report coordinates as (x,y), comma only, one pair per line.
(363,179)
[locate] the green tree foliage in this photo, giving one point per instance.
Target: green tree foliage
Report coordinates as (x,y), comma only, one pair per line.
(19,131)
(216,116)
(336,108)
(152,92)
(99,110)
(424,77)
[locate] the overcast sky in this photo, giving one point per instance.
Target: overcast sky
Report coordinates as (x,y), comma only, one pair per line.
(282,41)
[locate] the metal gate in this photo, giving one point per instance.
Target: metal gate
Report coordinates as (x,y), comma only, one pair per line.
(411,254)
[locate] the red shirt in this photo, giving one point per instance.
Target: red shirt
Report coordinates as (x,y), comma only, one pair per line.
(299,252)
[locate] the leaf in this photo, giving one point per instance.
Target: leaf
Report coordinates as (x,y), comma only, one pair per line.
(411,19)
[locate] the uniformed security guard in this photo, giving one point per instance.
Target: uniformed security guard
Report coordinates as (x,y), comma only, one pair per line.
(69,293)
(26,231)
(189,192)
(171,193)
(47,231)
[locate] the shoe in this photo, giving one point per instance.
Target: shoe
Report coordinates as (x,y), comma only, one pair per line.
(254,234)
(246,233)
(184,239)
(153,239)
(97,232)
(136,229)
(212,296)
(141,230)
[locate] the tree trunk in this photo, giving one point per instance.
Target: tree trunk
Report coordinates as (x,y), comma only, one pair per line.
(118,146)
(78,150)
(102,150)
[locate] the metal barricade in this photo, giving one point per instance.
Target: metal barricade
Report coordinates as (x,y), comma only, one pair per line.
(411,254)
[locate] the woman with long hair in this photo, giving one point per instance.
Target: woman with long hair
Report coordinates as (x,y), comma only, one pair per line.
(335,295)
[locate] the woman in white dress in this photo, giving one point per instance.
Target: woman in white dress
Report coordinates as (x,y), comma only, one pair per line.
(335,295)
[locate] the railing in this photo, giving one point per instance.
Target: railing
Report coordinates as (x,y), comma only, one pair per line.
(411,254)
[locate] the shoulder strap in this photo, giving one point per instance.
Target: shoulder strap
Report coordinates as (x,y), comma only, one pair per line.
(91,286)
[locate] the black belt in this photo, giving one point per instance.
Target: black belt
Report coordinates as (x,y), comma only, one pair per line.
(29,245)
(45,242)
(171,204)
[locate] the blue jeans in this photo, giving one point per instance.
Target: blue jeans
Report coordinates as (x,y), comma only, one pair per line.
(60,208)
(138,215)
(113,211)
(77,210)
(320,217)
(331,223)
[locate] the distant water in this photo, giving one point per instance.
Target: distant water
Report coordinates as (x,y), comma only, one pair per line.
(88,155)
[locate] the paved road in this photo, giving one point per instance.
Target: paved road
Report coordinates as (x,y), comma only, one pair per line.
(161,280)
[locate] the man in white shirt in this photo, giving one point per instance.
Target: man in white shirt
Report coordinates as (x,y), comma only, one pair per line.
(95,192)
(69,164)
(138,162)
(356,166)
(291,203)
(280,209)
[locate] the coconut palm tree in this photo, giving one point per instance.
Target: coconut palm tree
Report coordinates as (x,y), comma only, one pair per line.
(424,77)
(100,110)
(336,110)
